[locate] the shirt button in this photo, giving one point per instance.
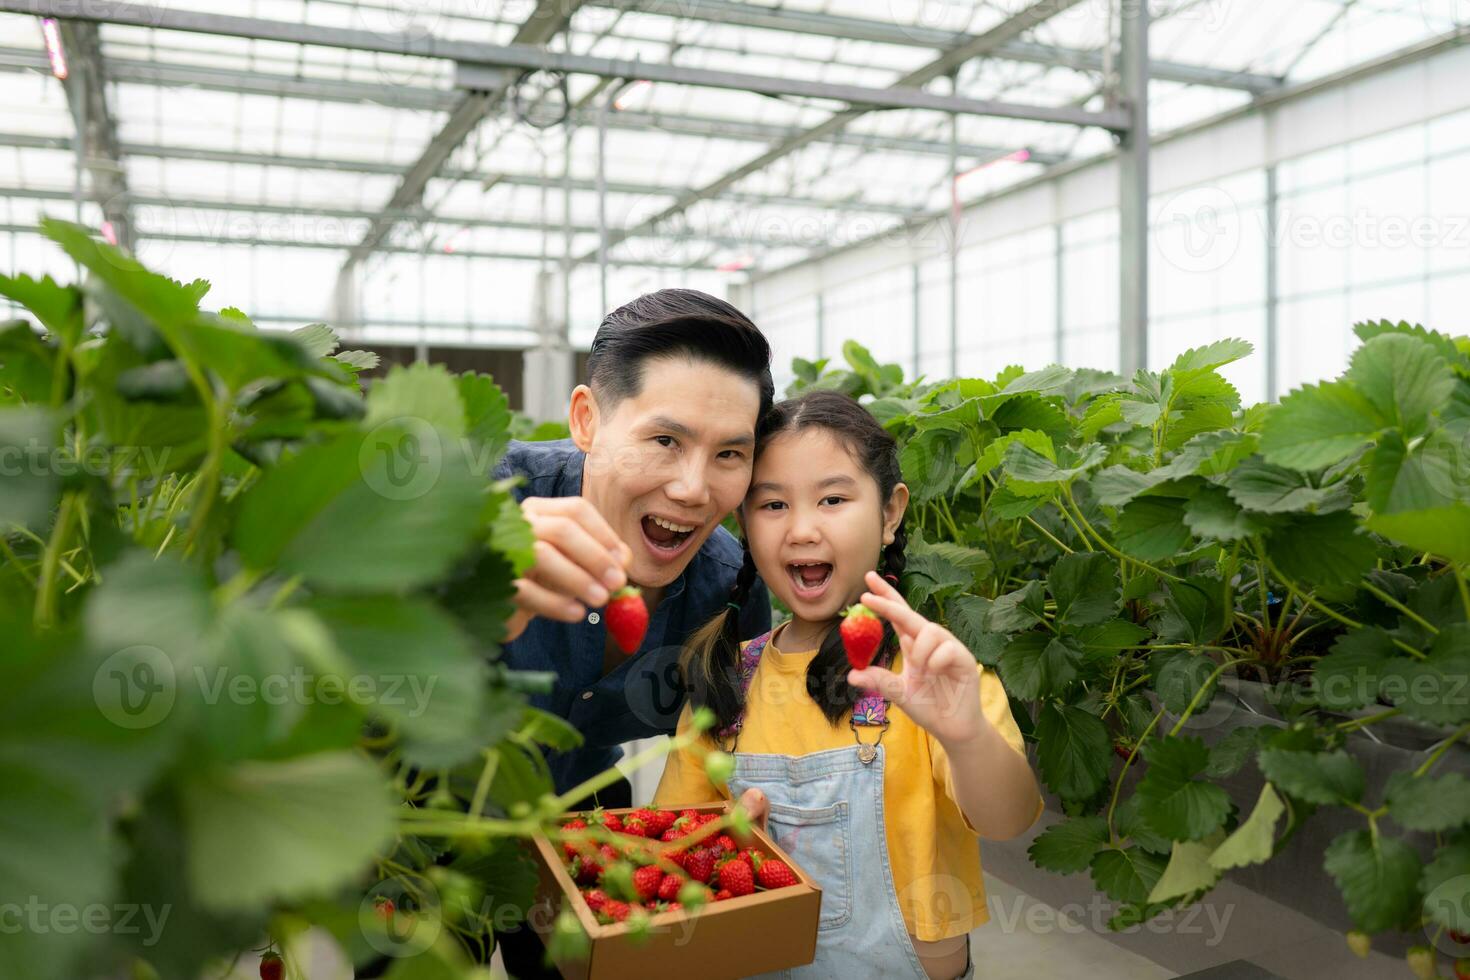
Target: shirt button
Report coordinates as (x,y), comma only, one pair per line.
(586,695)
(593,618)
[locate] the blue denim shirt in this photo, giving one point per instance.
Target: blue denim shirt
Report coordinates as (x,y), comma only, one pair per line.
(644,694)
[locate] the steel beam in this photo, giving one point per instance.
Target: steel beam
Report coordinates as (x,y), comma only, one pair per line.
(789,21)
(86,97)
(1029,17)
(1133,167)
(479,64)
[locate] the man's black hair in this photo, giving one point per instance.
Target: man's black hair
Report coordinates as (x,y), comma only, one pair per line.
(674,323)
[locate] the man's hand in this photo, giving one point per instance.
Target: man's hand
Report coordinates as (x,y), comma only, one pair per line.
(938,686)
(580,561)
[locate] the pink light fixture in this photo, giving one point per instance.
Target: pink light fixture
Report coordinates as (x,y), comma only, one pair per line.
(51,31)
(736,265)
(621,102)
(109,233)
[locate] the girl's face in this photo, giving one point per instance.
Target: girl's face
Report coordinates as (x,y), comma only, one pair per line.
(815,523)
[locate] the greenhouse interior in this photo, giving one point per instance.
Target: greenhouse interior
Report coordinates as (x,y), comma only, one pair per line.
(400,575)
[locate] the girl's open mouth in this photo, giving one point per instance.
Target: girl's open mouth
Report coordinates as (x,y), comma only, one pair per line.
(666,539)
(809,578)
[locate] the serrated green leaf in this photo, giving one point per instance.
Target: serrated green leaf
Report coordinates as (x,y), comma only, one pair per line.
(1068,847)
(1072,751)
(1178,677)
(318,339)
(1018,610)
(1404,377)
(1126,875)
(1036,665)
(1318,425)
(1436,690)
(1321,549)
(1231,753)
(1268,489)
(1193,611)
(1255,839)
(1212,356)
(1347,678)
(422,393)
(1428,803)
(1211,513)
(1085,587)
(27,491)
(1316,777)
(1378,876)
(1172,800)
(1445,883)
(57,307)
(1152,528)
(1189,872)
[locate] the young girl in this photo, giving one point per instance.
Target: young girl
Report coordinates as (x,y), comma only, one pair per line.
(876,781)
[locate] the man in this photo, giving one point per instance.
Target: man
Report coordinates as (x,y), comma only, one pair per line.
(661,449)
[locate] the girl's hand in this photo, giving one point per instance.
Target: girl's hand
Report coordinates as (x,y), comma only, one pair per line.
(938,686)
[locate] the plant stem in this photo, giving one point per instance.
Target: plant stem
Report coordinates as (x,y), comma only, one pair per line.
(11,557)
(1459,572)
(1355,723)
(1428,763)
(1051,537)
(482,788)
(1199,691)
(1082,536)
(1327,611)
(1114,551)
(45,611)
(1390,600)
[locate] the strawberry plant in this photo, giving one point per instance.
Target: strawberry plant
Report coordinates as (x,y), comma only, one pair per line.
(250,616)
(1126,551)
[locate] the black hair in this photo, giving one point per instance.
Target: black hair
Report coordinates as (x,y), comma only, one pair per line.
(672,323)
(712,655)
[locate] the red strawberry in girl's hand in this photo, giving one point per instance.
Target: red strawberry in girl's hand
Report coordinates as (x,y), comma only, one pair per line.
(271,967)
(861,632)
(627,618)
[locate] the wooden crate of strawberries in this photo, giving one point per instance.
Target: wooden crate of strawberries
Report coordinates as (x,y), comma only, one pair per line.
(759,914)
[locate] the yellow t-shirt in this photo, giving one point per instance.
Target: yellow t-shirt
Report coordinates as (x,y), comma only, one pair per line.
(933,851)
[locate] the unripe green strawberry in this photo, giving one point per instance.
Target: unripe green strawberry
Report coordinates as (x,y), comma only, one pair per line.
(862,633)
(1421,962)
(1360,943)
(719,767)
(627,618)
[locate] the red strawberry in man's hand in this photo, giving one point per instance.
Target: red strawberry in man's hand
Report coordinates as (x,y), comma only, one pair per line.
(627,618)
(271,967)
(736,877)
(862,632)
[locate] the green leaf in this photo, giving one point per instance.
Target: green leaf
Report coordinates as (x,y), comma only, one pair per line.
(1036,665)
(360,360)
(1212,356)
(421,393)
(968,615)
(1172,801)
(1322,549)
(1110,637)
(1445,882)
(1255,839)
(1032,474)
(1434,690)
(1269,489)
(1429,803)
(1073,750)
(1318,425)
(29,485)
(1378,876)
(1128,819)
(1085,587)
(1443,531)
(1315,777)
(262,832)
(1230,754)
(59,308)
(1116,485)
(1152,528)
(389,510)
(487,418)
(1018,610)
(1348,677)
(318,339)
(1211,513)
(1068,847)
(1189,871)
(1193,611)
(27,365)
(1128,874)
(1179,675)
(510,532)
(1404,377)
(928,574)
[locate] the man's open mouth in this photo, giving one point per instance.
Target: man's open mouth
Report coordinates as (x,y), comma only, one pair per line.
(666,538)
(809,578)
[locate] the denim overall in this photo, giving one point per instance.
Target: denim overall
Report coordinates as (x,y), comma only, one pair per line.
(826,811)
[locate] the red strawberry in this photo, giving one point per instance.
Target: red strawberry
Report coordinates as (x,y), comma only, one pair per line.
(571,847)
(647,880)
(726,843)
(721,895)
(690,815)
(1462,968)
(635,827)
(736,877)
(1460,937)
(862,632)
(668,889)
(627,618)
(774,873)
(660,822)
(615,910)
(748,855)
(271,967)
(596,898)
(609,821)
(672,906)
(585,869)
(384,907)
(700,864)
(705,818)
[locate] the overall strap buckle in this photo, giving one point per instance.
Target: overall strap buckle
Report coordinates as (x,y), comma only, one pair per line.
(867,752)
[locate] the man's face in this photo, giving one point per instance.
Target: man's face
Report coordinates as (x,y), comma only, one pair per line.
(667,465)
